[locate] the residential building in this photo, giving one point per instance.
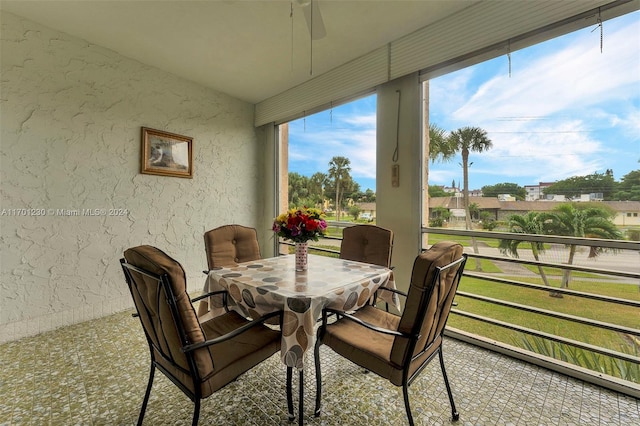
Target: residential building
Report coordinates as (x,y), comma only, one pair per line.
(536,192)
(627,212)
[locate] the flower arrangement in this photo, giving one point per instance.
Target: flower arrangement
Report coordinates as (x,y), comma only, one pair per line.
(300,224)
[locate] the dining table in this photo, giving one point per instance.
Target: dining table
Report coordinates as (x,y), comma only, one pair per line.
(267,285)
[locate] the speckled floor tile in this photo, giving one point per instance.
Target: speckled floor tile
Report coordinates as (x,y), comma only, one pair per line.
(95,373)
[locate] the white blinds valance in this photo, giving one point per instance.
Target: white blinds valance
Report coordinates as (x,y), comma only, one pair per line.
(479,32)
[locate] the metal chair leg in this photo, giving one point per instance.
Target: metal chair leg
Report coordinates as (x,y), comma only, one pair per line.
(454,413)
(152,370)
(196,412)
(289,394)
(405,392)
(316,354)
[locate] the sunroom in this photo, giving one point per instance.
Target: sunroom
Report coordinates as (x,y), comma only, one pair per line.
(79,82)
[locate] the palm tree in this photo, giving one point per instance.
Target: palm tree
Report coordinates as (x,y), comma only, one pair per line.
(438,147)
(586,222)
(435,146)
(474,210)
(339,168)
(530,223)
(437,138)
(464,140)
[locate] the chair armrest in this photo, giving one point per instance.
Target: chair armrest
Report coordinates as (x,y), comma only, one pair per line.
(393,290)
(374,299)
(224,294)
(350,317)
(202,296)
(211,293)
(231,334)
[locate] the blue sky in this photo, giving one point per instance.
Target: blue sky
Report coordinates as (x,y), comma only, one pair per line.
(567,109)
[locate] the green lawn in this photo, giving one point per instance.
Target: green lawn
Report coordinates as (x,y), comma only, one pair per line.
(318,252)
(601,311)
(486,266)
(464,240)
(558,272)
(596,362)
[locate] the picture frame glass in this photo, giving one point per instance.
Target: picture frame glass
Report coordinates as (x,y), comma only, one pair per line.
(166,154)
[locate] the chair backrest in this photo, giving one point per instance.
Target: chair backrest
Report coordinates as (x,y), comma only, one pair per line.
(367,243)
(158,287)
(231,244)
(434,281)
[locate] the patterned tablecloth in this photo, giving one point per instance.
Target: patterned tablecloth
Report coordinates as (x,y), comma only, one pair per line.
(268,285)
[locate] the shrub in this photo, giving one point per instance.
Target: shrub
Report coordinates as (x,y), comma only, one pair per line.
(436,222)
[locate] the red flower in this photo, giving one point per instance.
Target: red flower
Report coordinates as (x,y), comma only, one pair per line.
(300,225)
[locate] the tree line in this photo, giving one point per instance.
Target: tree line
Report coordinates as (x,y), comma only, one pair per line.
(465,140)
(627,189)
(336,185)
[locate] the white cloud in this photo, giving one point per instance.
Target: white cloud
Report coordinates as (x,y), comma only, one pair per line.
(366,120)
(574,77)
(450,92)
(352,136)
(563,112)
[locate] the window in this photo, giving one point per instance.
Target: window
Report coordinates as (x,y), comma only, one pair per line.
(554,111)
(331,160)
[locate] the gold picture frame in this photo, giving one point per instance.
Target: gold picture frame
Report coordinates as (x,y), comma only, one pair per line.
(166,154)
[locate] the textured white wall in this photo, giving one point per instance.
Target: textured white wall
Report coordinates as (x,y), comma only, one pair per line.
(71,114)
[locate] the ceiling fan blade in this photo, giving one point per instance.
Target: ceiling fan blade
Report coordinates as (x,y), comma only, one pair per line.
(319,30)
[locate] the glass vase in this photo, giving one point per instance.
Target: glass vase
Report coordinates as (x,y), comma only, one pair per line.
(302,250)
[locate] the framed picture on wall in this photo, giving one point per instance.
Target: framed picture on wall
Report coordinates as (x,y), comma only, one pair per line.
(166,154)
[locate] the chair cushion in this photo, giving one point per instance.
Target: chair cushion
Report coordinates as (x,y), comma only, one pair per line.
(233,357)
(155,313)
(384,354)
(368,244)
(367,348)
(420,293)
(231,244)
(370,349)
(240,354)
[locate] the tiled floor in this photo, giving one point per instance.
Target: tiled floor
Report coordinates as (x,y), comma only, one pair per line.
(95,373)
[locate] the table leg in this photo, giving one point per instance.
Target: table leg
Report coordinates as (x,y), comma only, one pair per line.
(301,401)
(316,354)
(289,394)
